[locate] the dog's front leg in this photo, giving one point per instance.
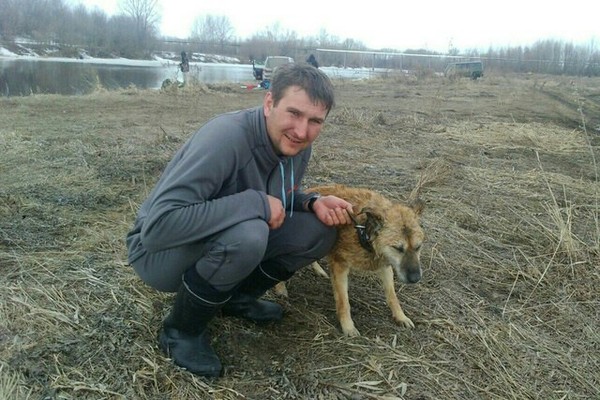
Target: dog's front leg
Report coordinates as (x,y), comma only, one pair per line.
(339,278)
(387,280)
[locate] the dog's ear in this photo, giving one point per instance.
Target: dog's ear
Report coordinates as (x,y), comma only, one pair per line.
(417,205)
(374,221)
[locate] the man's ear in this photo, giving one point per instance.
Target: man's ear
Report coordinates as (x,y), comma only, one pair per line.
(268,103)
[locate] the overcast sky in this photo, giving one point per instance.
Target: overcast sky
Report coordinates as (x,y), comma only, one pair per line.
(393,24)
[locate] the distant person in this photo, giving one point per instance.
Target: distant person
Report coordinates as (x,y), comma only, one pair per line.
(185,62)
(257,71)
(4,89)
(312,61)
(228,219)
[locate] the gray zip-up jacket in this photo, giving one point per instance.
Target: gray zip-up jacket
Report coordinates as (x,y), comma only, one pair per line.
(219,178)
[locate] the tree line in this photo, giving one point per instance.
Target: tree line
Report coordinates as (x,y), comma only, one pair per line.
(133,33)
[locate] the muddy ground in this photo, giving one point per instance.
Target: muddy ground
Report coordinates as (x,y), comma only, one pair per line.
(507,308)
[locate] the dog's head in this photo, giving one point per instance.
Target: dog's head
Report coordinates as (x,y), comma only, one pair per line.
(396,237)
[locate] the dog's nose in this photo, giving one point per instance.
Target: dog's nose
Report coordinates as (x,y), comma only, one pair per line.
(414,276)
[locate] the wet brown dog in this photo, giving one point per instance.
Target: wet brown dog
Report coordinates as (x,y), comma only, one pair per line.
(387,238)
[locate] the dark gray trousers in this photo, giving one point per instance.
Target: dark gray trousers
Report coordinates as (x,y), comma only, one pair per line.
(225,259)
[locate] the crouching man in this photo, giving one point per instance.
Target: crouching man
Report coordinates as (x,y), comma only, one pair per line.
(227,220)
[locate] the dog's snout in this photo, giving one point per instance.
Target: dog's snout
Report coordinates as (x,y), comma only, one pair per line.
(413,276)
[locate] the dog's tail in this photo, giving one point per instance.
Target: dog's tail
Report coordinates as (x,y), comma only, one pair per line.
(434,172)
(281,290)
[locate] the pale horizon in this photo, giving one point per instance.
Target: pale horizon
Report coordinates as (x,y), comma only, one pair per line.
(433,26)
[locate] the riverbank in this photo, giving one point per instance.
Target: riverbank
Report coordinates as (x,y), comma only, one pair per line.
(28,49)
(507,308)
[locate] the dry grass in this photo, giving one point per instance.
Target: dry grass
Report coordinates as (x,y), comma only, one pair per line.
(508,307)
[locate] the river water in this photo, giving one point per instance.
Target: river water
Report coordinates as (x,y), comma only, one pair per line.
(32,75)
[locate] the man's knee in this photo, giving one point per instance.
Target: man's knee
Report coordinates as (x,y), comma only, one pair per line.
(248,242)
(301,240)
(227,256)
(234,254)
(325,241)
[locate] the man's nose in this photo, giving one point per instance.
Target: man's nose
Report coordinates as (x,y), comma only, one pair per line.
(301,128)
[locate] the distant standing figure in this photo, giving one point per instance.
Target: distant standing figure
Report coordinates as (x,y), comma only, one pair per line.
(4,89)
(257,71)
(185,63)
(312,61)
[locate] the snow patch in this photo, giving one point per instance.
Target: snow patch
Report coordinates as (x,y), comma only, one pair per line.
(6,53)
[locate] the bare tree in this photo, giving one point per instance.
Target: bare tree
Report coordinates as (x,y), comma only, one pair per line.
(146,16)
(213,30)
(8,18)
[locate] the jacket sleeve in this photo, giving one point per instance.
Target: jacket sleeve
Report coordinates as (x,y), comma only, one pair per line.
(191,201)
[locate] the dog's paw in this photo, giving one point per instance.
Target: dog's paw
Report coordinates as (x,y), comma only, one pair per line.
(406,322)
(350,330)
(280,289)
(353,333)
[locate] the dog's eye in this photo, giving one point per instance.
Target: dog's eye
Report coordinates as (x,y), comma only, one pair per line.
(400,248)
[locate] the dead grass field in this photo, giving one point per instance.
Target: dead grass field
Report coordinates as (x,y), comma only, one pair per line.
(508,307)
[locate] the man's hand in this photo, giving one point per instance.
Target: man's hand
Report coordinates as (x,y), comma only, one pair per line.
(277,212)
(332,210)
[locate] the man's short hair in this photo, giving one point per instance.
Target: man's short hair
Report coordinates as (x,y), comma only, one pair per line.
(312,80)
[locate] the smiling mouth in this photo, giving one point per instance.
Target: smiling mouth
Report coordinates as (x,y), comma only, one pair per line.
(291,139)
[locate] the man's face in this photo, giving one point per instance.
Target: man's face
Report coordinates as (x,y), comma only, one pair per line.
(295,122)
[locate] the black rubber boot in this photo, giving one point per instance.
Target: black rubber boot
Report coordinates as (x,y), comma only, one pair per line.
(245,302)
(184,337)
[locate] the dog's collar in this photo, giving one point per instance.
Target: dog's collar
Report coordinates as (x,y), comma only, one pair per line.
(363,236)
